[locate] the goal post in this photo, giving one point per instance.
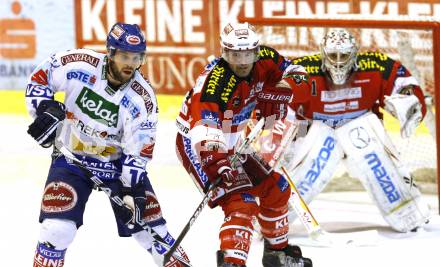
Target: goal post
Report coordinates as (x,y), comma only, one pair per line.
(425,64)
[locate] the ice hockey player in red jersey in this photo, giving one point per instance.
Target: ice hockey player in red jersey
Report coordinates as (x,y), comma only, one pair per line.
(214,114)
(347,88)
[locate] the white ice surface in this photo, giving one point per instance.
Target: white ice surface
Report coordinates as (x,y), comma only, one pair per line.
(24,168)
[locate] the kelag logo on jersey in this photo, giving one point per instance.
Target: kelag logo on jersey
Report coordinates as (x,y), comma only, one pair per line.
(97,107)
(82,76)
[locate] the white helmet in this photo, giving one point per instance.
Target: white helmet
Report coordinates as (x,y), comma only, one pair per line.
(240,43)
(338,52)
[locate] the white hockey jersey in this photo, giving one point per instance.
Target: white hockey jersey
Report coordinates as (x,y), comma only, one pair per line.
(101,124)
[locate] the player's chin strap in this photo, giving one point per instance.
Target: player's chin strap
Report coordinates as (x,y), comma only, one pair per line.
(118,201)
(243,146)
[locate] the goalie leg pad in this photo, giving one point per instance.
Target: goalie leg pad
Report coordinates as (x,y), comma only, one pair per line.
(372,158)
(315,159)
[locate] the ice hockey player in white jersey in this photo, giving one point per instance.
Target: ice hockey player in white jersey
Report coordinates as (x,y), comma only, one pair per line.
(108,121)
(347,89)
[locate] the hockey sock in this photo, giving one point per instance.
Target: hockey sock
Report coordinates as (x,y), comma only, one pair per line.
(47,256)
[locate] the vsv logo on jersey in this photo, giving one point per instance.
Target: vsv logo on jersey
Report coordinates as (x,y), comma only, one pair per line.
(37,90)
(318,164)
(382,177)
(97,107)
(82,76)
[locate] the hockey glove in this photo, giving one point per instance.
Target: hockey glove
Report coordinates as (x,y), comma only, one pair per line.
(134,179)
(131,212)
(407,109)
(217,165)
(255,166)
(49,114)
(272,103)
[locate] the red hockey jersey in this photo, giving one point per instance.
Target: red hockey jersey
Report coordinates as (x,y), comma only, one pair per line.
(220,104)
(376,75)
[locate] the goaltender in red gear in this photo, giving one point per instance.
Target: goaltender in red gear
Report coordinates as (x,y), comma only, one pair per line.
(214,114)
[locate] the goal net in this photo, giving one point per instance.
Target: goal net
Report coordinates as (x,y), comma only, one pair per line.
(409,41)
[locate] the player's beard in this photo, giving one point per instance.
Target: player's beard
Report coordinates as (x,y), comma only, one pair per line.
(120,75)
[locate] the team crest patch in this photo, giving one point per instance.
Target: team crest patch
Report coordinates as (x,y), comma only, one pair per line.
(228,28)
(152,210)
(117,32)
(58,197)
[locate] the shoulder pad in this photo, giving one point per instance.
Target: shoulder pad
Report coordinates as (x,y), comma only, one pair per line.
(375,61)
(312,64)
(219,85)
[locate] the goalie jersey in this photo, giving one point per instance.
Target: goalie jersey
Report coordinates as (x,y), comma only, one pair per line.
(375,76)
(101,124)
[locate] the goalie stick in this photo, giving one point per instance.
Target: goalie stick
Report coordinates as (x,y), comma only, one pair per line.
(319,236)
(118,201)
(243,146)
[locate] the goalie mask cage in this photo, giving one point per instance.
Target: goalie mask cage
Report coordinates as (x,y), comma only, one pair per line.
(413,41)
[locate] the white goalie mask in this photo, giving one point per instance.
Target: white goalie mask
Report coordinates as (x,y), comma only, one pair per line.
(240,43)
(338,52)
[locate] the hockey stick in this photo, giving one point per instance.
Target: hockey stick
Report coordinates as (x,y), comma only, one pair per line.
(243,146)
(118,201)
(316,233)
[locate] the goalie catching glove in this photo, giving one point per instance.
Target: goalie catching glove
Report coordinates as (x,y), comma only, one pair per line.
(216,164)
(407,109)
(49,114)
